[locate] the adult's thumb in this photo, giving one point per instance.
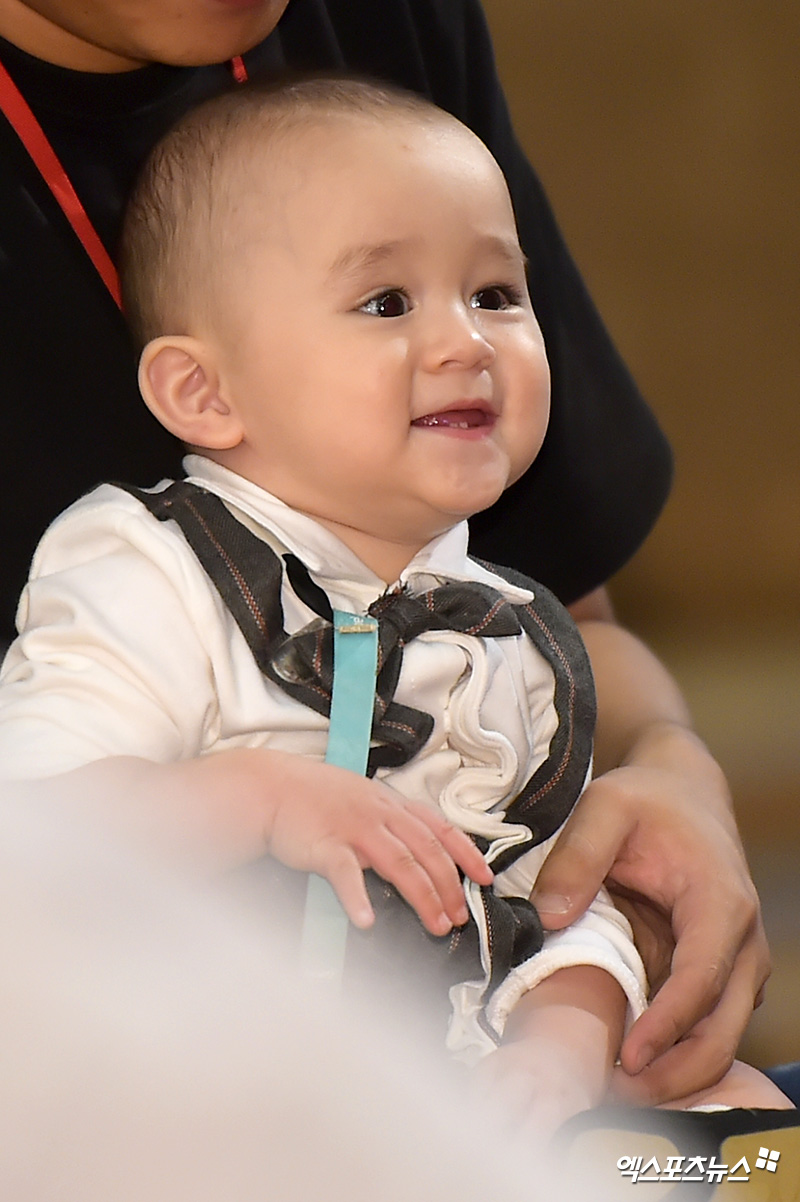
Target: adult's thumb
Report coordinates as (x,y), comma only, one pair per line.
(579,861)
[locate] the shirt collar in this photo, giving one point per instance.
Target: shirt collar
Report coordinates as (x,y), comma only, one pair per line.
(349,583)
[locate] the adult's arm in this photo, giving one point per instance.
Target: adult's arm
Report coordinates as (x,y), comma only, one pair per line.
(657,823)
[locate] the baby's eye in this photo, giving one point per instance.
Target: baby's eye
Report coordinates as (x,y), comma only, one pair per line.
(391,303)
(499,296)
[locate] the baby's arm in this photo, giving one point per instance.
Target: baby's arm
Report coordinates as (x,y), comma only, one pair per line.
(230,808)
(601,937)
(560,1045)
(124,654)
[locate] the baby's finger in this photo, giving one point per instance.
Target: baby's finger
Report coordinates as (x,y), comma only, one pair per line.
(459,845)
(465,853)
(339,864)
(395,859)
(435,860)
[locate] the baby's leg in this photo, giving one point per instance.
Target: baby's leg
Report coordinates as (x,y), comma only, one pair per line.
(742,1087)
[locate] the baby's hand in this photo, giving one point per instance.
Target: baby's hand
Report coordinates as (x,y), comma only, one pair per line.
(334,823)
(218,812)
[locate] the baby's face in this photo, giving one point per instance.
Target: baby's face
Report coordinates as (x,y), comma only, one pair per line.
(379,343)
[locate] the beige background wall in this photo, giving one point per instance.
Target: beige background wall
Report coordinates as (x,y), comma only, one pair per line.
(667,133)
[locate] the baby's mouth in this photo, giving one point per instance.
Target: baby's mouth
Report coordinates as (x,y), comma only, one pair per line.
(457,419)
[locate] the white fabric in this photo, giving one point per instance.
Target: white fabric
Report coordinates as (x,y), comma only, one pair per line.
(125,648)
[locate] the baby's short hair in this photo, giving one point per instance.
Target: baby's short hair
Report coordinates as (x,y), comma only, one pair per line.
(180,218)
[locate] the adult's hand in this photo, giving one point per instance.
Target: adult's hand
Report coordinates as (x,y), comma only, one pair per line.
(660,831)
(658,823)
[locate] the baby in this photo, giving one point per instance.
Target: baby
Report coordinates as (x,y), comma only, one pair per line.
(328,285)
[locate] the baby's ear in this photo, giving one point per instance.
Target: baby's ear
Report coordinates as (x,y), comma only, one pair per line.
(181,387)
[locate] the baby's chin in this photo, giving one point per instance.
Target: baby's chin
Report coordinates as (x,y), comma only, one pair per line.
(463,508)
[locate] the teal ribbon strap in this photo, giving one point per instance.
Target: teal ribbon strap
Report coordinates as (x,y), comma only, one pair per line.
(355,665)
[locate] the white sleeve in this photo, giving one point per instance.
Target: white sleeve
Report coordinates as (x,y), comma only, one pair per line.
(602,937)
(109,659)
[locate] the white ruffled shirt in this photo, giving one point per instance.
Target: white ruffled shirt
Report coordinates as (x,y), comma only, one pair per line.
(125,648)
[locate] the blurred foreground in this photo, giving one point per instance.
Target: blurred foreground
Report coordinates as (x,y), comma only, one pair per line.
(157,1047)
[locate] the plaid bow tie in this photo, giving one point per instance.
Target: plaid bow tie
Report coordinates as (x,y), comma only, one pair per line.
(302,665)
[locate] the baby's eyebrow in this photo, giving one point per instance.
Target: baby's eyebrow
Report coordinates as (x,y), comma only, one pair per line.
(504,248)
(361,258)
(357,259)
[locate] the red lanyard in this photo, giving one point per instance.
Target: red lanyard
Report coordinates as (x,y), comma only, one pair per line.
(18,112)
